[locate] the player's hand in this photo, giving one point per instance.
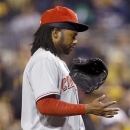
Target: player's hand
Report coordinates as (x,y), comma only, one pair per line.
(101,109)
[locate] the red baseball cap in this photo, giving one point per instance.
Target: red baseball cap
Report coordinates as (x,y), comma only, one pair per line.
(64,18)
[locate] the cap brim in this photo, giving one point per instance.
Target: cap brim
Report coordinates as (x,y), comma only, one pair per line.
(70,26)
(80,27)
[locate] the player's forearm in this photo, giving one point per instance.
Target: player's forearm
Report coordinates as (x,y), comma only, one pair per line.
(54,107)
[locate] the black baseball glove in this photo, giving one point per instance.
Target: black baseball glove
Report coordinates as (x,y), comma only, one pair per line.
(88,74)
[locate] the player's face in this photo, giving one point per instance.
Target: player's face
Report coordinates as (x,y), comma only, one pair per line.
(66,41)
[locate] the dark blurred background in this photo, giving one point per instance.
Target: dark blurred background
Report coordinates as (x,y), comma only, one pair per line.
(108,38)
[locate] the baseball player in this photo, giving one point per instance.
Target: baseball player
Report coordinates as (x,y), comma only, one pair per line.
(49,95)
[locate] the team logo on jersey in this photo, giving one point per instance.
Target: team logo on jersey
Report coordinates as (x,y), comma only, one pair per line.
(67,83)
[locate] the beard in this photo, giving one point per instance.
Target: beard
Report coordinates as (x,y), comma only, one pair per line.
(63,46)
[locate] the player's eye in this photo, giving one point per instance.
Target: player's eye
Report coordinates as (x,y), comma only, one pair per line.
(73,37)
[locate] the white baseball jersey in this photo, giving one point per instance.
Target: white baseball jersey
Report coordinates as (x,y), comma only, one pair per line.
(46,74)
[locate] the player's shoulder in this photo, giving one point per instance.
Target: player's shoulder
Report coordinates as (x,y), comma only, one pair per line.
(42,54)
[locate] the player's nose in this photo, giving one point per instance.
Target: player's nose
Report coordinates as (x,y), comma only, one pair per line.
(75,42)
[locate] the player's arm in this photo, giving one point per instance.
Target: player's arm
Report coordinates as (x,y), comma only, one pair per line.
(51,106)
(54,107)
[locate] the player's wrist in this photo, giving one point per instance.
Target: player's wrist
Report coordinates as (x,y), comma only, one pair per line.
(87,108)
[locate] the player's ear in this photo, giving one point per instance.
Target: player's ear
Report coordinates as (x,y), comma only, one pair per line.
(55,33)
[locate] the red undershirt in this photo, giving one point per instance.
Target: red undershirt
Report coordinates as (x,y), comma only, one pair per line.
(55,107)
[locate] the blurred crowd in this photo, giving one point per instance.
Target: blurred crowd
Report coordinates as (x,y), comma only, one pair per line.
(108,39)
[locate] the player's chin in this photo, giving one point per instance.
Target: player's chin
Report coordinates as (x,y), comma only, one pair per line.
(68,52)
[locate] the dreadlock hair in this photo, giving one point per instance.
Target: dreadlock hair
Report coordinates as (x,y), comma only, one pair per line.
(43,39)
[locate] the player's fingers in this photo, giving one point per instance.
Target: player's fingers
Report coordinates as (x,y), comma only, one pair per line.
(111,113)
(111,109)
(109,104)
(108,116)
(101,98)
